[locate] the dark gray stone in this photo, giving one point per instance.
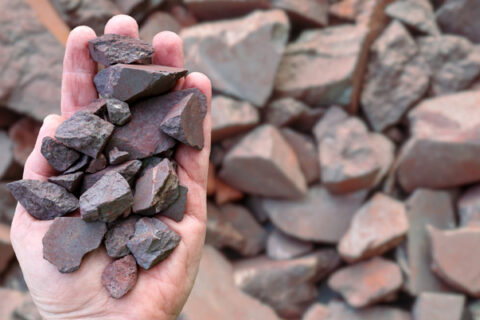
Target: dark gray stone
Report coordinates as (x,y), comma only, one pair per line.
(118,112)
(128,170)
(118,236)
(70,181)
(177,209)
(97,164)
(79,165)
(58,155)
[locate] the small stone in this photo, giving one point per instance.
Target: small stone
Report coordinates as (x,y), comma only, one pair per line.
(79,165)
(120,276)
(177,209)
(283,247)
(118,112)
(98,107)
(110,49)
(118,236)
(127,82)
(333,117)
(6,250)
(305,13)
(221,232)
(58,155)
(43,200)
(285,111)
(84,132)
(156,22)
(184,121)
(439,306)
(225,193)
(116,156)
(367,282)
(417,14)
(107,199)
(469,207)
(128,170)
(97,164)
(153,242)
(460,17)
(69,239)
(71,181)
(156,189)
(23,133)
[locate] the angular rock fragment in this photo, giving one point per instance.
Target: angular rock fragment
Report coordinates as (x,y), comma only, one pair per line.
(177,209)
(128,170)
(58,155)
(98,107)
(118,112)
(460,17)
(69,239)
(333,117)
(118,236)
(79,165)
(285,111)
(24,134)
(221,232)
(116,156)
(156,22)
(120,276)
(225,193)
(153,242)
(107,199)
(84,132)
(341,311)
(70,181)
(378,226)
(469,207)
(131,82)
(439,306)
(283,247)
(367,282)
(6,250)
(263,163)
(97,164)
(305,13)
(417,14)
(43,200)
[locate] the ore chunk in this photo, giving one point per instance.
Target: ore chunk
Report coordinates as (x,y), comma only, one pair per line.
(98,107)
(120,276)
(116,156)
(79,165)
(177,209)
(69,181)
(156,189)
(43,200)
(118,112)
(97,164)
(128,170)
(69,239)
(153,241)
(115,48)
(85,132)
(118,236)
(107,199)
(58,155)
(131,82)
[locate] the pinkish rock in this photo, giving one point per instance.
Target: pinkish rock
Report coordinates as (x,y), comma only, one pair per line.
(460,17)
(283,247)
(157,22)
(97,164)
(221,232)
(110,49)
(333,117)
(120,276)
(285,111)
(225,193)
(23,133)
(336,310)
(417,14)
(468,207)
(306,13)
(116,156)
(220,9)
(439,306)
(138,9)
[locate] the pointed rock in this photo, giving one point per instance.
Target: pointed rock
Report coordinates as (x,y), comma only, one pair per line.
(283,247)
(333,117)
(177,209)
(439,306)
(97,164)
(58,155)
(71,181)
(118,236)
(128,170)
(417,14)
(460,17)
(83,162)
(118,112)
(120,276)
(116,156)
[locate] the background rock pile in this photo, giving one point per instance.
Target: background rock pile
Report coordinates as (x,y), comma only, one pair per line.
(345,161)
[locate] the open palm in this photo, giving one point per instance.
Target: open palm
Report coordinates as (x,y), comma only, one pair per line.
(160,292)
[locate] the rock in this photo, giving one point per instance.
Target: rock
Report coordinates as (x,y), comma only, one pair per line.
(221,9)
(468,207)
(454,62)
(225,193)
(307,13)
(439,306)
(367,282)
(229,68)
(116,156)
(58,155)
(120,276)
(153,242)
(138,9)
(128,170)
(7,204)
(284,111)
(84,132)
(321,216)
(417,14)
(231,117)
(287,286)
(26,310)
(11,299)
(438,133)
(29,52)
(397,77)
(97,164)
(69,239)
(6,161)
(221,232)
(83,162)
(378,226)
(110,49)
(263,163)
(460,17)
(333,117)
(156,22)
(23,133)
(340,311)
(335,50)
(43,200)
(118,112)
(283,247)
(6,250)
(70,181)
(98,107)
(177,209)
(118,236)
(107,199)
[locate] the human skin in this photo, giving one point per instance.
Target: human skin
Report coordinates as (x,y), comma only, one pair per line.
(160,292)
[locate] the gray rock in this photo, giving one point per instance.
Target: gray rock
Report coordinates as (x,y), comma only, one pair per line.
(468,206)
(460,17)
(97,164)
(81,164)
(417,14)
(70,181)
(128,170)
(118,112)
(440,306)
(177,209)
(283,247)
(118,236)
(58,155)
(116,156)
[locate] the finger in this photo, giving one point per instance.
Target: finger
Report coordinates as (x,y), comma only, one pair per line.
(122,24)
(168,47)
(78,71)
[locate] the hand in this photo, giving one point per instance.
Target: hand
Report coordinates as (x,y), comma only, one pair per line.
(160,292)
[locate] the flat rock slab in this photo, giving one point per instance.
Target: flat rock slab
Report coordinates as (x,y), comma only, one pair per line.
(118,236)
(176,210)
(111,49)
(116,156)
(58,155)
(439,306)
(284,111)
(128,170)
(69,239)
(417,14)
(118,112)
(337,310)
(85,132)
(153,242)
(283,247)
(43,200)
(120,276)
(71,181)
(107,199)
(131,82)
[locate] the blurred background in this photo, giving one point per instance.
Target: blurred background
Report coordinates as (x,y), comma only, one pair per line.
(346,149)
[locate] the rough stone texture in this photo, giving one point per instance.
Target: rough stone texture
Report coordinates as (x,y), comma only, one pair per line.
(6,250)
(468,207)
(283,247)
(438,133)
(26,310)
(23,133)
(84,132)
(120,276)
(340,311)
(333,117)
(263,163)
(320,216)
(43,200)
(31,62)
(128,170)
(285,111)
(367,282)
(107,199)
(234,68)
(439,306)
(71,181)
(69,239)
(231,117)
(11,299)
(58,155)
(131,82)
(335,51)
(397,77)
(97,164)
(417,14)
(7,204)
(177,209)
(380,225)
(460,17)
(83,162)
(153,242)
(157,22)
(116,156)
(287,286)
(6,161)
(118,112)
(118,236)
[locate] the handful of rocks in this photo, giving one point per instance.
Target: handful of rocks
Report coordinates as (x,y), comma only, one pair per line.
(115,158)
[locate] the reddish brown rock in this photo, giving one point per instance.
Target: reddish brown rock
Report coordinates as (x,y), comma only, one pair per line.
(221,232)
(68,240)
(58,155)
(128,170)
(71,181)
(120,276)
(367,282)
(460,17)
(11,299)
(98,107)
(97,164)
(176,210)
(157,22)
(81,164)
(378,226)
(417,14)
(439,306)
(284,111)
(225,193)
(336,310)
(6,250)
(118,112)
(283,247)
(468,207)
(23,133)
(116,156)
(118,236)
(110,49)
